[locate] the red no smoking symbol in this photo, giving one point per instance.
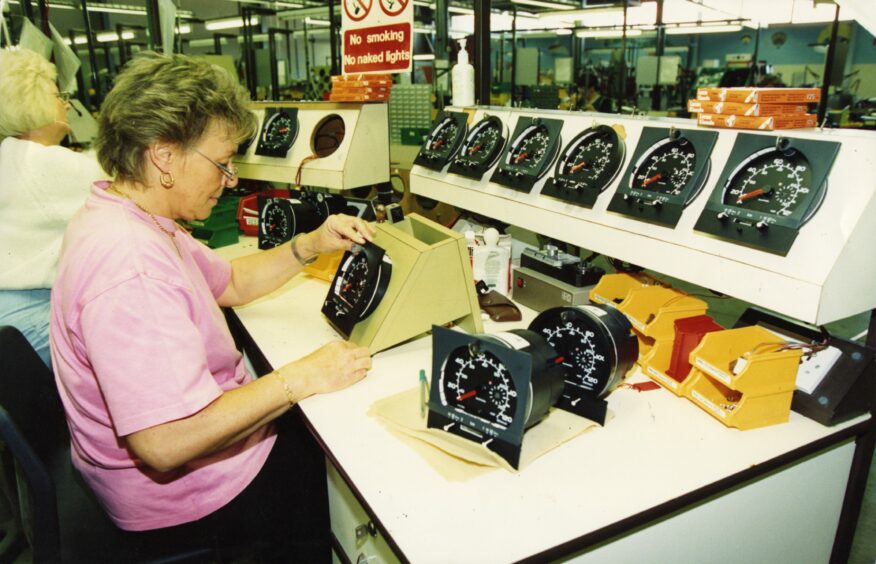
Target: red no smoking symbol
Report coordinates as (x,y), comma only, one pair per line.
(393,7)
(356,10)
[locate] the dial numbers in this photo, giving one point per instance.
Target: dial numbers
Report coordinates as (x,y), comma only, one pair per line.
(770,182)
(278,133)
(481,148)
(531,152)
(479,384)
(667,170)
(443,141)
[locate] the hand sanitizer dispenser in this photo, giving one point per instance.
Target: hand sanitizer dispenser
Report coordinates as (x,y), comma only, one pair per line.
(462,78)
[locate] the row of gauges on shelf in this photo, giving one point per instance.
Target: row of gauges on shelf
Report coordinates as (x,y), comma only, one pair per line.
(490,388)
(769,187)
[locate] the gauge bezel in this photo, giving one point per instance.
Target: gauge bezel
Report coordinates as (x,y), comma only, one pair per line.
(523,179)
(331,127)
(656,207)
(344,316)
(465,167)
(568,188)
(762,230)
(429,160)
(301,216)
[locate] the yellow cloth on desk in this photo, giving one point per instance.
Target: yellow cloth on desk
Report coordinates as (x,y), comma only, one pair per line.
(468,459)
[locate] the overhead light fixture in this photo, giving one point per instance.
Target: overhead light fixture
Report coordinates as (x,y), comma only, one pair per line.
(229,23)
(183,29)
(544,4)
(425,57)
(424,30)
(313,21)
(607,33)
(563,31)
(687,29)
(112,36)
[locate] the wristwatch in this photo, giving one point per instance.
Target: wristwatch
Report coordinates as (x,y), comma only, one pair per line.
(301,260)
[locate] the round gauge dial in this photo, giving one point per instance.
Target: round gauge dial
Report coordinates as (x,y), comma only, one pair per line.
(358,287)
(479,384)
(594,343)
(772,181)
(529,150)
(667,168)
(483,144)
(278,133)
(443,139)
(275,223)
(590,162)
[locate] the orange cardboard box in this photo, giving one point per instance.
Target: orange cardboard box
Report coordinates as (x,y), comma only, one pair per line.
(763,123)
(740,109)
(760,95)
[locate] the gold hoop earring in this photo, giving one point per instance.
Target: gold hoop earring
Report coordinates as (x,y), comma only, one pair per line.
(166,179)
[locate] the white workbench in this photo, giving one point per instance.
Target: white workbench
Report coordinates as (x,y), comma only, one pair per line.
(663,481)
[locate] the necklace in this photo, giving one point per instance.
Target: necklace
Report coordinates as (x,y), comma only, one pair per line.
(170,234)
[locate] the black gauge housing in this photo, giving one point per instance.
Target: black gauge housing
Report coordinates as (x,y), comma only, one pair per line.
(587,165)
(278,133)
(530,153)
(666,172)
(480,149)
(442,144)
(358,287)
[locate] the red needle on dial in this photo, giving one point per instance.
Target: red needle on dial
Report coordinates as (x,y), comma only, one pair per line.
(283,129)
(653,179)
(521,156)
(474,149)
(753,194)
(466,395)
(578,166)
(438,143)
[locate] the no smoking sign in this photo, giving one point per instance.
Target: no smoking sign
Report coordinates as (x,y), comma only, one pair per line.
(378,36)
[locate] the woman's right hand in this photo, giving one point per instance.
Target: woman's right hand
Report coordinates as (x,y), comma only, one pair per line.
(329,368)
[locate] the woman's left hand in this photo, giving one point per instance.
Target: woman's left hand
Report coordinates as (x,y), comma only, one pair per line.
(337,232)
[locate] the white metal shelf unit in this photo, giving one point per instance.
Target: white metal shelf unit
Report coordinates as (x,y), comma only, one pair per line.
(827,275)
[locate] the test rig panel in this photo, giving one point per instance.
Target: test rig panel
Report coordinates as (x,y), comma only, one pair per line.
(778,219)
(334,145)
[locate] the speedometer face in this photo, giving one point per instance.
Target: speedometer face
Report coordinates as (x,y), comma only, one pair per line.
(587,166)
(530,153)
(769,189)
(358,286)
(481,148)
(772,182)
(478,383)
(667,171)
(278,132)
(595,343)
(490,388)
(443,141)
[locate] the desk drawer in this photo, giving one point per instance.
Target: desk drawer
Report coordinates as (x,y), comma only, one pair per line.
(352,527)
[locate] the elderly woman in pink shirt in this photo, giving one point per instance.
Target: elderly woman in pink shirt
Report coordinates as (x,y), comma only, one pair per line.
(168,428)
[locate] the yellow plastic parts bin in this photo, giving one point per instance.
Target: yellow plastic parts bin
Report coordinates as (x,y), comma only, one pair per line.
(652,311)
(612,289)
(667,363)
(744,377)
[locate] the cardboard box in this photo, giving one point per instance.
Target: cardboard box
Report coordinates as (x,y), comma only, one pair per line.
(740,109)
(760,95)
(763,123)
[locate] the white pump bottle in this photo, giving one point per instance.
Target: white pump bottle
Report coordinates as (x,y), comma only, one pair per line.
(462,79)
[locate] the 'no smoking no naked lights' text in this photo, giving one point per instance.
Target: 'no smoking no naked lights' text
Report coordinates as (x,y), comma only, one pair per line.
(377,36)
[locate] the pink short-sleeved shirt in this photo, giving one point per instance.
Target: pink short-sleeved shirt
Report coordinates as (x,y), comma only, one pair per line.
(138,340)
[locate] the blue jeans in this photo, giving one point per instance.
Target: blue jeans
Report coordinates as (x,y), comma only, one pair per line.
(28,311)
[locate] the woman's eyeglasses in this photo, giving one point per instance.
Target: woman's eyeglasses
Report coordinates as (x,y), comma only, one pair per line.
(229,171)
(64,96)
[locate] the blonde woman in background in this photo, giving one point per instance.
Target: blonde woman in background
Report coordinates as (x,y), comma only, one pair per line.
(41,186)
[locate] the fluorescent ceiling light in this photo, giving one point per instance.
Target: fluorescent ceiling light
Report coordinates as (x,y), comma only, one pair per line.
(425,57)
(544,4)
(313,21)
(607,33)
(423,30)
(563,31)
(684,30)
(229,23)
(183,29)
(112,36)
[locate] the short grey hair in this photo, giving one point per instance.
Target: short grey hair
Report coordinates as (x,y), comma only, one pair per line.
(27,91)
(167,98)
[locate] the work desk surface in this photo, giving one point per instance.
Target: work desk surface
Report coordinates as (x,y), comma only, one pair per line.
(658,454)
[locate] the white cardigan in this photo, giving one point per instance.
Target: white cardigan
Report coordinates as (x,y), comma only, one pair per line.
(40,189)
